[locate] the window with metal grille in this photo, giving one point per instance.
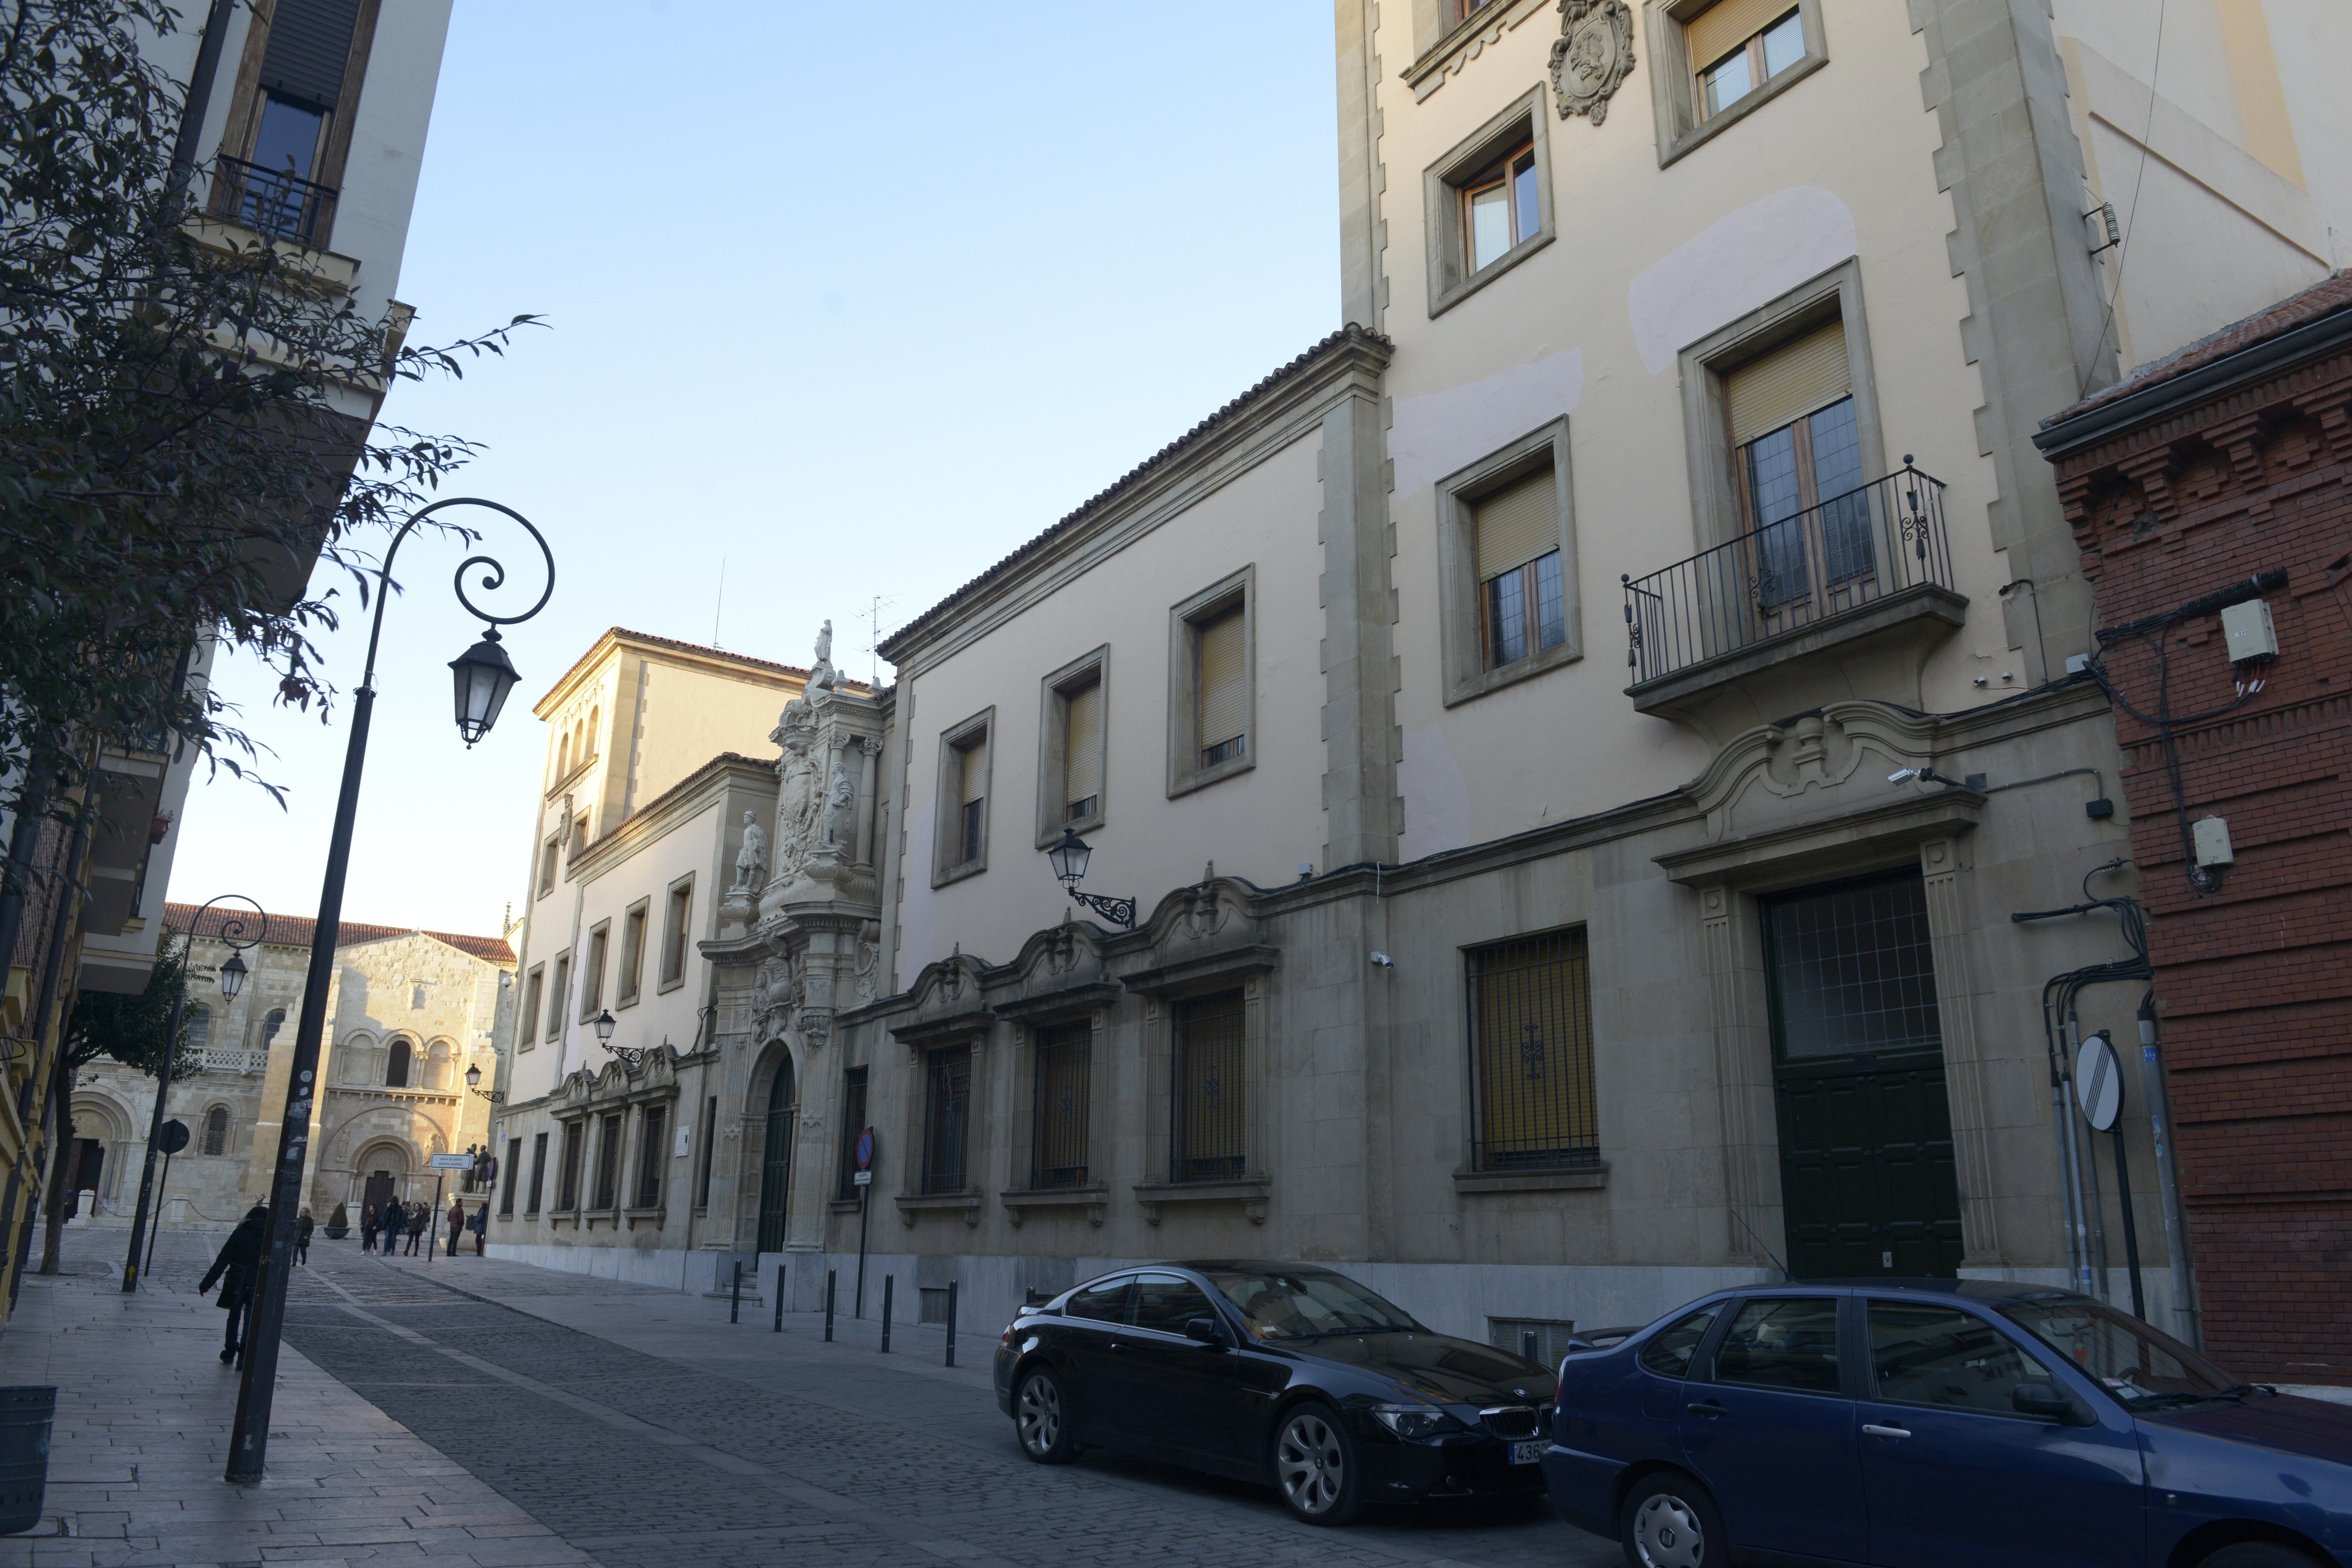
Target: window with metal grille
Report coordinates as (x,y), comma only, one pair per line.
(567,1176)
(1224,652)
(538,1174)
(608,1160)
(852,1123)
(509,1175)
(1058,1155)
(1521,604)
(216,1131)
(1211,1106)
(654,1122)
(1551,1337)
(1531,1054)
(1852,969)
(947,1111)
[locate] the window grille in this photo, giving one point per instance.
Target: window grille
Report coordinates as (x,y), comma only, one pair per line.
(1210,1098)
(852,1123)
(608,1160)
(537,1173)
(567,1178)
(947,1099)
(216,1130)
(1852,969)
(1531,1054)
(1064,1065)
(508,1174)
(655,1122)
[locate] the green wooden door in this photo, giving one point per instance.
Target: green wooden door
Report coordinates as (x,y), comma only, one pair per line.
(1866,1173)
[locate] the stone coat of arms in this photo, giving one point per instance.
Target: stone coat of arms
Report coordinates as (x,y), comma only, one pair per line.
(1592,57)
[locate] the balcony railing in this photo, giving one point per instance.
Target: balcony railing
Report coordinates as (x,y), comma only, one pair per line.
(1867,544)
(231,1059)
(273,201)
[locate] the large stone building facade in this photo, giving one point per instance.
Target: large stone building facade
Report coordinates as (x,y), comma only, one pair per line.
(1533,975)
(2212,492)
(409,1012)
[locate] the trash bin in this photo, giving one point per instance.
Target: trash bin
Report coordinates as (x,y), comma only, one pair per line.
(25,1413)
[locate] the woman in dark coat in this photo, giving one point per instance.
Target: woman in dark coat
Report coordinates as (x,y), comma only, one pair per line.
(235,1269)
(303,1225)
(420,1224)
(367,1228)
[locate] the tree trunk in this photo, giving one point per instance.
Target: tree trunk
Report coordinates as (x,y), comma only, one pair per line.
(62,1165)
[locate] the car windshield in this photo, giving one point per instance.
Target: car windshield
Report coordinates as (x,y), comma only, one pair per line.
(2144,1368)
(1283,1304)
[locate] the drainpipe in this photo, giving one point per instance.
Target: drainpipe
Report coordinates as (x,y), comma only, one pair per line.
(2185,1319)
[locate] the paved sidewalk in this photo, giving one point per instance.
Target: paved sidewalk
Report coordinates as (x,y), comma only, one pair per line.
(144,1407)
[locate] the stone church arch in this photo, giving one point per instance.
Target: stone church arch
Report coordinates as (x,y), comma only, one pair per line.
(781,1102)
(436,1065)
(381,1169)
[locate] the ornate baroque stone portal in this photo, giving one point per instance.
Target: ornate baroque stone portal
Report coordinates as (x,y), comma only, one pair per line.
(1592,57)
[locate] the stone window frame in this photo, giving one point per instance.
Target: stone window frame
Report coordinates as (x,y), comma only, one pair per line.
(1092,667)
(1461,624)
(570,1128)
(1185,772)
(510,1177)
(550,856)
(534,1003)
(979,730)
(677,933)
(562,966)
(227,1130)
(978,1035)
(612,1138)
(591,978)
(537,1176)
(1673,86)
(413,1063)
(1093,1006)
(1451,280)
(1702,366)
(1251,970)
(629,986)
(1471,1177)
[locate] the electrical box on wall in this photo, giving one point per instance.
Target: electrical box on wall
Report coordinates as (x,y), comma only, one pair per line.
(2212,836)
(2248,630)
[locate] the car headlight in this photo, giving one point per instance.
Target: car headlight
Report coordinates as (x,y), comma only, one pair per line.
(1416,1421)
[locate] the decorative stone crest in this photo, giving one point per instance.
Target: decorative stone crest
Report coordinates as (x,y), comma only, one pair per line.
(1592,56)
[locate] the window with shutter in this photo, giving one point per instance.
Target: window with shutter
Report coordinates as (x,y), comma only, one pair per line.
(1224,686)
(1796,448)
(1736,46)
(1521,601)
(1082,751)
(972,766)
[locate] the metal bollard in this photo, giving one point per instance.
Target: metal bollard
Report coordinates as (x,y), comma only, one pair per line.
(830,1278)
(951,1315)
(735,1294)
(780,1298)
(1528,1344)
(887,1281)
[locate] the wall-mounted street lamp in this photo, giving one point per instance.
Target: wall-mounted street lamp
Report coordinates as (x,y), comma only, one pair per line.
(474,1082)
(631,1057)
(1068,856)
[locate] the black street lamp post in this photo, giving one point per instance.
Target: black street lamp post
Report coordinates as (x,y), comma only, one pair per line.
(232,980)
(483,676)
(1068,856)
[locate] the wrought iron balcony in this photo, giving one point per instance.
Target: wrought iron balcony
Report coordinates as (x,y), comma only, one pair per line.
(274,202)
(1825,566)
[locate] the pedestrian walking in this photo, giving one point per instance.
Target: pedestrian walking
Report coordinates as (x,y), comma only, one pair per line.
(235,1269)
(396,1222)
(367,1227)
(457,1225)
(479,1225)
(420,1221)
(303,1225)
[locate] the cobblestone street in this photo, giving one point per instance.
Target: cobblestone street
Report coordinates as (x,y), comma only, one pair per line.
(636,1425)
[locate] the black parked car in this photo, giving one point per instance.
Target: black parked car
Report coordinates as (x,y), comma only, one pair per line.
(1274,1372)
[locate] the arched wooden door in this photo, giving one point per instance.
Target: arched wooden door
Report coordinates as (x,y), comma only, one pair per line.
(776,1160)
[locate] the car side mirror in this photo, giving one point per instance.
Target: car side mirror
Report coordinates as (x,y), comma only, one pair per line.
(1203,1330)
(2046,1400)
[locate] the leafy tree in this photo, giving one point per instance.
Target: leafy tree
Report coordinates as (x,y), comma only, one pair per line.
(186,416)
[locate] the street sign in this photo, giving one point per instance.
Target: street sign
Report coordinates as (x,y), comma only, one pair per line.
(2098,1082)
(450,1163)
(174,1138)
(865,1151)
(862,1178)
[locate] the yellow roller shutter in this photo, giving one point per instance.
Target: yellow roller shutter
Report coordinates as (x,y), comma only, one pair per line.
(1082,744)
(1787,384)
(975,772)
(1518,523)
(1719,29)
(1224,678)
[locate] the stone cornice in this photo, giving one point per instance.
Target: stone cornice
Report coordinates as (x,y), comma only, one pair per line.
(683,801)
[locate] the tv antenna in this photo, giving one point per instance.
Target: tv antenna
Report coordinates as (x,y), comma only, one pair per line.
(874,643)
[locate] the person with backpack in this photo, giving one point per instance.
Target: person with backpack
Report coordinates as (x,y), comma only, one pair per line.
(237,1270)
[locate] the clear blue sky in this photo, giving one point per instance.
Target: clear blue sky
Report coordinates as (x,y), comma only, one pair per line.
(853,298)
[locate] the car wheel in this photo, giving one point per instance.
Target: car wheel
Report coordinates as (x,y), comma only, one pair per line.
(1314,1466)
(1669,1521)
(1041,1415)
(2255,1554)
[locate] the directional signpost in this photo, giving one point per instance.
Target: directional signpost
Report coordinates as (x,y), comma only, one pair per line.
(863,1180)
(2099,1086)
(440,1165)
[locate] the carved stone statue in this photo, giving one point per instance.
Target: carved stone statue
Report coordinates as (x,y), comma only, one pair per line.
(840,806)
(752,860)
(822,677)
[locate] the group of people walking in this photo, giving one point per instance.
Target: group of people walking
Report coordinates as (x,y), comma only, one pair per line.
(236,1270)
(414,1221)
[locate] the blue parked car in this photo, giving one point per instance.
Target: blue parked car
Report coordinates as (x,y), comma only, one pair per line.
(1927,1423)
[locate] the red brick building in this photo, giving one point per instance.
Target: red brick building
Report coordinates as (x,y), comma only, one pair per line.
(2225,472)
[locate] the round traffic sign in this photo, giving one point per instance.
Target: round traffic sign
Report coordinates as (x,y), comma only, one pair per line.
(865,1152)
(174,1137)
(2098,1082)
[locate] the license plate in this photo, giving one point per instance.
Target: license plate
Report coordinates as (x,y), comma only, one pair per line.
(1528,1453)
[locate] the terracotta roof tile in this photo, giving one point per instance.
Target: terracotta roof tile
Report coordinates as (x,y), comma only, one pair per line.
(2320,299)
(297,931)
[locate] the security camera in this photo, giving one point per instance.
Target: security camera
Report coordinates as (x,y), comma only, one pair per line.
(1901,776)
(1384,960)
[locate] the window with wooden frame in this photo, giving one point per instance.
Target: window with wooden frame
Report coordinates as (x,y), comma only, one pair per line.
(1797,450)
(591,979)
(1210,1098)
(653,1121)
(633,953)
(1531,1023)
(563,986)
(1715,61)
(608,1160)
(966,758)
(1488,201)
(1521,605)
(567,1175)
(678,931)
(1059,1146)
(946,1118)
(290,122)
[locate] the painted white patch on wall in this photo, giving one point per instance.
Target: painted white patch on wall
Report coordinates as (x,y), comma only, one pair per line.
(1733,266)
(1436,797)
(1439,432)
